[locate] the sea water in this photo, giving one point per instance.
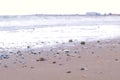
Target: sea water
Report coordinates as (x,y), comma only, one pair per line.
(46,30)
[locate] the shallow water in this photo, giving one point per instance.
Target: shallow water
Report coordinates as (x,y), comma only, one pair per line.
(51,35)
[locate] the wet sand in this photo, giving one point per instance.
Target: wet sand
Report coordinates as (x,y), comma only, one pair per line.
(97,60)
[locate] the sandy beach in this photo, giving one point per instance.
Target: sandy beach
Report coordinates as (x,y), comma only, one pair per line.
(59,47)
(82,60)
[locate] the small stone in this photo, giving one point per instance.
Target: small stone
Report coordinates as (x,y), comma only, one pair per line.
(68,54)
(82,69)
(68,72)
(100,72)
(41,59)
(5,66)
(60,64)
(32,67)
(79,56)
(4,56)
(116,59)
(33,53)
(10,52)
(70,40)
(92,52)
(57,53)
(51,50)
(98,41)
(18,52)
(28,46)
(42,42)
(67,51)
(82,43)
(75,52)
(54,62)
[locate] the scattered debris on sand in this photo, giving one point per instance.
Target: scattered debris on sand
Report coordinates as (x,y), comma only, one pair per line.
(4,56)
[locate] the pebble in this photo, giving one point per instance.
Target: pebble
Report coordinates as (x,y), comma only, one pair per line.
(116,59)
(32,67)
(4,56)
(18,52)
(57,53)
(60,64)
(82,69)
(39,52)
(5,66)
(66,51)
(82,43)
(92,52)
(33,53)
(79,56)
(41,59)
(68,54)
(98,41)
(54,62)
(70,40)
(68,71)
(28,46)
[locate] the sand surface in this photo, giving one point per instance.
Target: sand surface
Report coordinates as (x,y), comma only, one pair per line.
(97,60)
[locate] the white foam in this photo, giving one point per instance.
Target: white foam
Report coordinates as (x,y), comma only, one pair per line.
(51,35)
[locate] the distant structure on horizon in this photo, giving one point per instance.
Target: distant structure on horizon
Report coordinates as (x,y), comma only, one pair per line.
(99,14)
(111,14)
(93,14)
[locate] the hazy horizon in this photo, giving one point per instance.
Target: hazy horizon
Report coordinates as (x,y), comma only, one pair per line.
(28,7)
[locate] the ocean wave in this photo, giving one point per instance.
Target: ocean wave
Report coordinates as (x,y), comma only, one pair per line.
(56,20)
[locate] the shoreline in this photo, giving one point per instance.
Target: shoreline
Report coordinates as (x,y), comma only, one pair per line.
(39,37)
(69,61)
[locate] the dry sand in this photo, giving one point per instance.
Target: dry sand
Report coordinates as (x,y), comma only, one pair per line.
(97,60)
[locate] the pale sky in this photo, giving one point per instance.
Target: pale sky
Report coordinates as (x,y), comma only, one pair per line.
(13,7)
